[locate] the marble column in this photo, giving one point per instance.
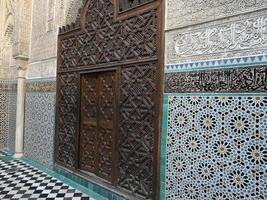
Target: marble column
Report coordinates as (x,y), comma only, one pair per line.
(21,93)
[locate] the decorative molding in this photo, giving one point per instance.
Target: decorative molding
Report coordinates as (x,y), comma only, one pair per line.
(189,12)
(43,69)
(233,37)
(41,85)
(8,86)
(208,64)
(249,79)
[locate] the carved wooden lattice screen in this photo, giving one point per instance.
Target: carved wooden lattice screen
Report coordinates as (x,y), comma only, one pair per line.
(103,46)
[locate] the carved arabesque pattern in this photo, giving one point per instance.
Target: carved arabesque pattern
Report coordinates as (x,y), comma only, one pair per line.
(234,80)
(137,128)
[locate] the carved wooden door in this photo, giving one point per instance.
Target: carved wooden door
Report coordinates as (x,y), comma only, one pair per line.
(97,124)
(110,62)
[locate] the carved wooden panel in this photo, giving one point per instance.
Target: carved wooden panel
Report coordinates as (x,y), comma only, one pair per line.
(97,132)
(88,127)
(126,152)
(107,115)
(137,128)
(128,4)
(67,117)
(104,41)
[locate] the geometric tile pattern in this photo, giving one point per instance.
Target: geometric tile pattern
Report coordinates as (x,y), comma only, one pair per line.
(20,181)
(216,147)
(12,108)
(7,113)
(40,127)
(3,119)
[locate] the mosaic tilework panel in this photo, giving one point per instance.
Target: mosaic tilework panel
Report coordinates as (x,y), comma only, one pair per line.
(216,147)
(3,119)
(40,127)
(12,108)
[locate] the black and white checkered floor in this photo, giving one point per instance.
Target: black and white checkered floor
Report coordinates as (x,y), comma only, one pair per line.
(20,181)
(2,153)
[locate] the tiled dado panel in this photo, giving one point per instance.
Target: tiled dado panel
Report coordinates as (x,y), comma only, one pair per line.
(7,113)
(40,121)
(3,119)
(12,109)
(216,146)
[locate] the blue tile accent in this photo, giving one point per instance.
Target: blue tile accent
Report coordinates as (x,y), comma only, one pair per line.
(85,183)
(214,64)
(163,149)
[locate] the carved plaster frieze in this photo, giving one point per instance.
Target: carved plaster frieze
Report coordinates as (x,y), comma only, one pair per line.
(43,69)
(248,79)
(188,12)
(235,37)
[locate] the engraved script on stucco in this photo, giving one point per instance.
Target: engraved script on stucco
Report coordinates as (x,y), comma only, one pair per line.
(188,12)
(227,37)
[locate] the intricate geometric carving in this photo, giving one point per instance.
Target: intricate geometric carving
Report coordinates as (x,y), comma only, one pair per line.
(107,114)
(88,132)
(250,79)
(128,4)
(106,41)
(67,118)
(136,129)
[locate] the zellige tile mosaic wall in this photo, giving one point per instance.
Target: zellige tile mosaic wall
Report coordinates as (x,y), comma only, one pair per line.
(216,147)
(8,103)
(40,121)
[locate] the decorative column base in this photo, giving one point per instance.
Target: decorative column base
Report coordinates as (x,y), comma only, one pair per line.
(18,155)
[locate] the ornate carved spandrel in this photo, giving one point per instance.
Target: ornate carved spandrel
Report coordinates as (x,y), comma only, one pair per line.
(137,129)
(88,128)
(129,4)
(68,94)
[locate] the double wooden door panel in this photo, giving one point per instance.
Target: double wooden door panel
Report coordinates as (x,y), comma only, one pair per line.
(97,125)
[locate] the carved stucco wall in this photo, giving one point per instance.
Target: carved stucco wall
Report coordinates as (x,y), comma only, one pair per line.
(6,39)
(214,118)
(48,16)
